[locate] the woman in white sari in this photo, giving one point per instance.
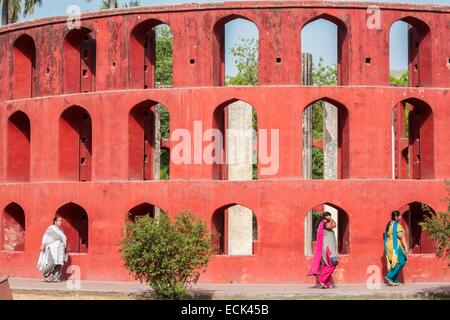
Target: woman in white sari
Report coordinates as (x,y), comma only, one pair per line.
(53,252)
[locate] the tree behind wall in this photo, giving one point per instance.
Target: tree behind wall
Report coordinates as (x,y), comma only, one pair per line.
(11,9)
(322,75)
(438,228)
(114,4)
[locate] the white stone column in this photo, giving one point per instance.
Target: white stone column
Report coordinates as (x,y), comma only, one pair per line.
(157,144)
(239,159)
(307,138)
(157,147)
(393,143)
(330,152)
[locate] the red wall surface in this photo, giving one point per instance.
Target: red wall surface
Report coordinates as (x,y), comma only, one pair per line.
(280,202)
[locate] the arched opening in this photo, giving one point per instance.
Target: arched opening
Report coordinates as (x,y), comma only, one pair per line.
(325,141)
(235,152)
(325,62)
(75,226)
(75,144)
(234,231)
(151,55)
(24,63)
(410,58)
(13,228)
(143,209)
(236,46)
(342,231)
(412,215)
(79,61)
(413,140)
(148,142)
(18,163)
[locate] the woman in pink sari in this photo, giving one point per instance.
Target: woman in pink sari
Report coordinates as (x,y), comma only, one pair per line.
(326,253)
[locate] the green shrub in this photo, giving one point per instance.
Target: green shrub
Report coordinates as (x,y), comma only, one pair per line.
(438,228)
(167,255)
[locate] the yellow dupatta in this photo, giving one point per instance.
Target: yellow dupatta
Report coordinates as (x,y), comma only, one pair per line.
(393,245)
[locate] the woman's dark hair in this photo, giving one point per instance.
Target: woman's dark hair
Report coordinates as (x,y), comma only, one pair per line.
(325,214)
(56,218)
(395,214)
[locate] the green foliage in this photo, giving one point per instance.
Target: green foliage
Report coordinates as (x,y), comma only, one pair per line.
(316,214)
(402,81)
(246,59)
(324,75)
(321,75)
(317,163)
(438,228)
(317,120)
(14,9)
(108,4)
(255,154)
(164,171)
(165,122)
(132,3)
(164,55)
(167,255)
(114,4)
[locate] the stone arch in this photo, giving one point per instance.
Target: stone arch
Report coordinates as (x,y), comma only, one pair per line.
(334,141)
(219,46)
(75,226)
(420,60)
(143,54)
(13,228)
(148,141)
(143,209)
(234,230)
(342,232)
(343,45)
(24,67)
(236,154)
(79,58)
(75,144)
(413,140)
(18,144)
(412,214)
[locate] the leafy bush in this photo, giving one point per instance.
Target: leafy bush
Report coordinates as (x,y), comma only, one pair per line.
(438,227)
(167,255)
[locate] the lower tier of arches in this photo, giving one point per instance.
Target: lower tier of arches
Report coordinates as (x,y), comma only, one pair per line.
(96,214)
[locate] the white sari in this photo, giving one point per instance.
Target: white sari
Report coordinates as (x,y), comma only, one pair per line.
(55,243)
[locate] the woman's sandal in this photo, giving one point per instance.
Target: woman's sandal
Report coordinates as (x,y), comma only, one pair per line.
(390,282)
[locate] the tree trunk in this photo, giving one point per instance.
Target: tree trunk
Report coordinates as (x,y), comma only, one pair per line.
(5,11)
(112,4)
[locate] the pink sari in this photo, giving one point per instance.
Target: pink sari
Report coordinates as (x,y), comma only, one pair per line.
(325,276)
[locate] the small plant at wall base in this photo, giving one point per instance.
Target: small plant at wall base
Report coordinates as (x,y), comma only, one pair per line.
(438,228)
(167,255)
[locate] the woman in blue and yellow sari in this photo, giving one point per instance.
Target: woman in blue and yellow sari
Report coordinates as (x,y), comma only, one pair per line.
(395,250)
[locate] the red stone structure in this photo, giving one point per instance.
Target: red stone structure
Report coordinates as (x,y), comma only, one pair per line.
(68,121)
